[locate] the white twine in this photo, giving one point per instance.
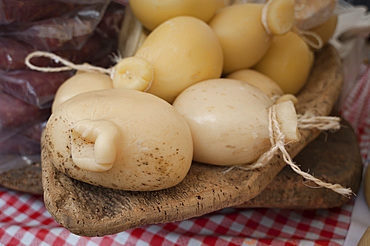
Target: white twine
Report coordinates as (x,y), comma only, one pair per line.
(67,64)
(277,140)
(305,34)
(308,121)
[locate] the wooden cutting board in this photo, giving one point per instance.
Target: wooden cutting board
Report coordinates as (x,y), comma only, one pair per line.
(26,179)
(89,210)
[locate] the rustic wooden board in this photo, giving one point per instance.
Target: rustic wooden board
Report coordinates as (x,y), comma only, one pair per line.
(95,211)
(26,179)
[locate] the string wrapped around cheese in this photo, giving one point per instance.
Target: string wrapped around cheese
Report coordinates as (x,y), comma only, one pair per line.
(236,123)
(180,52)
(121,139)
(325,30)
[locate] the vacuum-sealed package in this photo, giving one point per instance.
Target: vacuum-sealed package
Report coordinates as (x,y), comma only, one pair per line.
(33,87)
(16,11)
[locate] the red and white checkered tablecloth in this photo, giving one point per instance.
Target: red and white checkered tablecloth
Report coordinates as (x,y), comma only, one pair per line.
(24,219)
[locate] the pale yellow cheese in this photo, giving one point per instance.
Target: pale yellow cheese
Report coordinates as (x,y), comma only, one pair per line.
(120,138)
(153,13)
(229,121)
(133,73)
(280,16)
(79,83)
(182,51)
(245,30)
(243,37)
(288,62)
(259,80)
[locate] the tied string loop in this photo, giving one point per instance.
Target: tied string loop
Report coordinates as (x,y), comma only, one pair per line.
(305,35)
(277,140)
(67,64)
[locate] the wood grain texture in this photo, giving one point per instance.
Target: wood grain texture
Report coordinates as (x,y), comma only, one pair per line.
(89,210)
(26,179)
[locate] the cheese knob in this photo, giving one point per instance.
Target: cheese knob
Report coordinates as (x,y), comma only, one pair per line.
(94,144)
(287,118)
(133,73)
(279,16)
(287,97)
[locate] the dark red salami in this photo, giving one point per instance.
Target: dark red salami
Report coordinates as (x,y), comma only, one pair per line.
(36,88)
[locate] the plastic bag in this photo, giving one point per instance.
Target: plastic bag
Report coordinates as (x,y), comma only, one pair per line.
(21,149)
(13,53)
(20,131)
(15,11)
(33,87)
(14,113)
(26,141)
(77,30)
(70,31)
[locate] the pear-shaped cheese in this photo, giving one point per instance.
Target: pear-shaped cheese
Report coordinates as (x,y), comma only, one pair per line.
(182,51)
(120,138)
(229,121)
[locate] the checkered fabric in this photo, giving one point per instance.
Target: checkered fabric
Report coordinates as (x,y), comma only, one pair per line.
(356,109)
(24,219)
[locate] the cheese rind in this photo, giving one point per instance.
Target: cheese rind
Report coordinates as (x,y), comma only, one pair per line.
(243,37)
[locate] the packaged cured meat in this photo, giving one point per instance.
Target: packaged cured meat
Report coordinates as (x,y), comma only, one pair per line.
(25,142)
(24,11)
(81,31)
(15,113)
(33,87)
(13,53)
